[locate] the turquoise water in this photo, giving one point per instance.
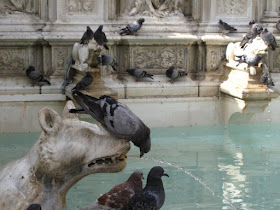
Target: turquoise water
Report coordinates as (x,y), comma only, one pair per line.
(210,167)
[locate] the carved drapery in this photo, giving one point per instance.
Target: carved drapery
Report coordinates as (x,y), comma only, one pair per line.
(11,6)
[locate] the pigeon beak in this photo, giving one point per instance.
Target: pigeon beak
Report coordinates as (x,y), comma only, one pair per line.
(165,174)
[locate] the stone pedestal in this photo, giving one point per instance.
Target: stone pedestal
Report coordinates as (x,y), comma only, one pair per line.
(243,85)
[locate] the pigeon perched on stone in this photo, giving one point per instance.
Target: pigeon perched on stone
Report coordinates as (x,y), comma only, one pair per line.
(225,28)
(174,74)
(132,28)
(34,207)
(269,39)
(100,37)
(107,60)
(35,76)
(266,79)
(278,25)
(116,117)
(119,195)
(250,59)
(139,73)
(254,31)
(152,197)
(84,83)
(87,36)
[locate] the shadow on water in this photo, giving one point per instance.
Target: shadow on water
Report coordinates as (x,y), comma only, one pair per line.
(225,200)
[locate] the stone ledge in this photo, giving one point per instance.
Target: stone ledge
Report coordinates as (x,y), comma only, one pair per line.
(32,97)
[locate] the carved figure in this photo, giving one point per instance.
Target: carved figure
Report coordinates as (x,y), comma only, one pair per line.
(67,150)
(158,8)
(10,6)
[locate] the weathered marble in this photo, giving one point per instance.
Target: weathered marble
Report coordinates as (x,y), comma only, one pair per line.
(67,151)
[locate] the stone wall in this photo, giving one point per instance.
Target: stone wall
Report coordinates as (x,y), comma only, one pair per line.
(183,33)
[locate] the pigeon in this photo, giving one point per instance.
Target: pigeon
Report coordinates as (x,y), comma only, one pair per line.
(174,74)
(139,73)
(250,59)
(85,81)
(254,31)
(269,39)
(225,28)
(278,25)
(87,36)
(116,117)
(100,37)
(35,76)
(266,79)
(107,60)
(152,196)
(132,28)
(34,207)
(119,195)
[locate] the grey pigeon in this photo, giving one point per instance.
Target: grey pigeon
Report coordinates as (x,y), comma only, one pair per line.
(87,36)
(84,83)
(132,28)
(116,117)
(250,59)
(119,195)
(100,37)
(278,25)
(35,76)
(266,79)
(174,74)
(225,28)
(107,60)
(152,197)
(139,73)
(34,207)
(254,31)
(269,39)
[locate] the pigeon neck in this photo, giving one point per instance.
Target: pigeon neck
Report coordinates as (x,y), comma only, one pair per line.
(154,182)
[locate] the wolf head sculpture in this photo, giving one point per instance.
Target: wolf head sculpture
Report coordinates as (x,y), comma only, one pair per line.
(67,150)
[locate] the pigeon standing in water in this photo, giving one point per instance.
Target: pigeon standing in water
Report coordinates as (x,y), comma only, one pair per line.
(35,76)
(119,195)
(174,74)
(34,207)
(278,25)
(84,83)
(132,28)
(107,60)
(225,28)
(100,37)
(269,39)
(116,117)
(254,31)
(139,73)
(152,196)
(87,36)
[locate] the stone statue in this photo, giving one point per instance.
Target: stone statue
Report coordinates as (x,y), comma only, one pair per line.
(67,150)
(10,6)
(234,51)
(158,8)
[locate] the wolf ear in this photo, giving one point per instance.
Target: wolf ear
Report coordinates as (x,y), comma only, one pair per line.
(49,121)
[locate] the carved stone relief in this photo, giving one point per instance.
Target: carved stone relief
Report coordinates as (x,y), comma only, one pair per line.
(158,57)
(215,56)
(158,8)
(60,59)
(79,6)
(17,6)
(231,7)
(276,61)
(13,60)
